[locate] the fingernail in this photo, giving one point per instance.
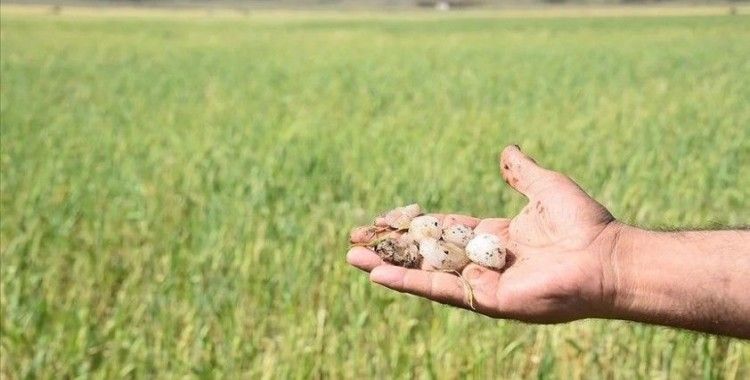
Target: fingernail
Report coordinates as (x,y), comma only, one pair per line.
(351,257)
(517,146)
(362,234)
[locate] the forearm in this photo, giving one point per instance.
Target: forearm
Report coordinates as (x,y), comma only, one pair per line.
(698,280)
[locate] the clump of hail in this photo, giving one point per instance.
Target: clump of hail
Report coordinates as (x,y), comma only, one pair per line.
(406,237)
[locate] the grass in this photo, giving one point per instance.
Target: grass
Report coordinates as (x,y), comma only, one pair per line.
(177,192)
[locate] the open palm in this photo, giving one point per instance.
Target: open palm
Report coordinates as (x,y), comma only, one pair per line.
(559,249)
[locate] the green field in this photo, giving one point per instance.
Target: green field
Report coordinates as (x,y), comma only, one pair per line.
(177,191)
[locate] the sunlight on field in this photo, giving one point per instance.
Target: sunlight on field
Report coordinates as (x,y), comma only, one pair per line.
(176,194)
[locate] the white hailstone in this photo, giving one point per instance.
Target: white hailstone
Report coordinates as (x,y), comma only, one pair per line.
(458,234)
(407,239)
(400,217)
(411,245)
(442,255)
(425,226)
(486,250)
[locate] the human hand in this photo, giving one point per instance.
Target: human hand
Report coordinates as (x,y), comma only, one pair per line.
(559,254)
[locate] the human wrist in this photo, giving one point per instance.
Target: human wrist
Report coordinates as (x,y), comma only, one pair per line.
(617,268)
(649,270)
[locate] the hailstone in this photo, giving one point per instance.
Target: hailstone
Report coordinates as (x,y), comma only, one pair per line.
(458,234)
(400,217)
(442,255)
(398,252)
(486,250)
(425,226)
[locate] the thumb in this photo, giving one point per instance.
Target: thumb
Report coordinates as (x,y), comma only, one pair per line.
(522,173)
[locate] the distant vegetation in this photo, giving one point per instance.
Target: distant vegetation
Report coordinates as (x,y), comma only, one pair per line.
(452,4)
(177,188)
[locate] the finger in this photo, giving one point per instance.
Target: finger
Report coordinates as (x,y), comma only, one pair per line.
(453,219)
(494,226)
(363,258)
(484,283)
(446,219)
(477,293)
(500,227)
(362,234)
(366,234)
(523,173)
(437,286)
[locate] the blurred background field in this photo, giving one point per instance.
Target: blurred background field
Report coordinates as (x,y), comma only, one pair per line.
(177,191)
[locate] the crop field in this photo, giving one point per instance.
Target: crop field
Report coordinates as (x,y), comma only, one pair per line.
(177,190)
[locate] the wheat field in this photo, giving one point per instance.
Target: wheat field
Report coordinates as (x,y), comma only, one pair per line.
(177,189)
